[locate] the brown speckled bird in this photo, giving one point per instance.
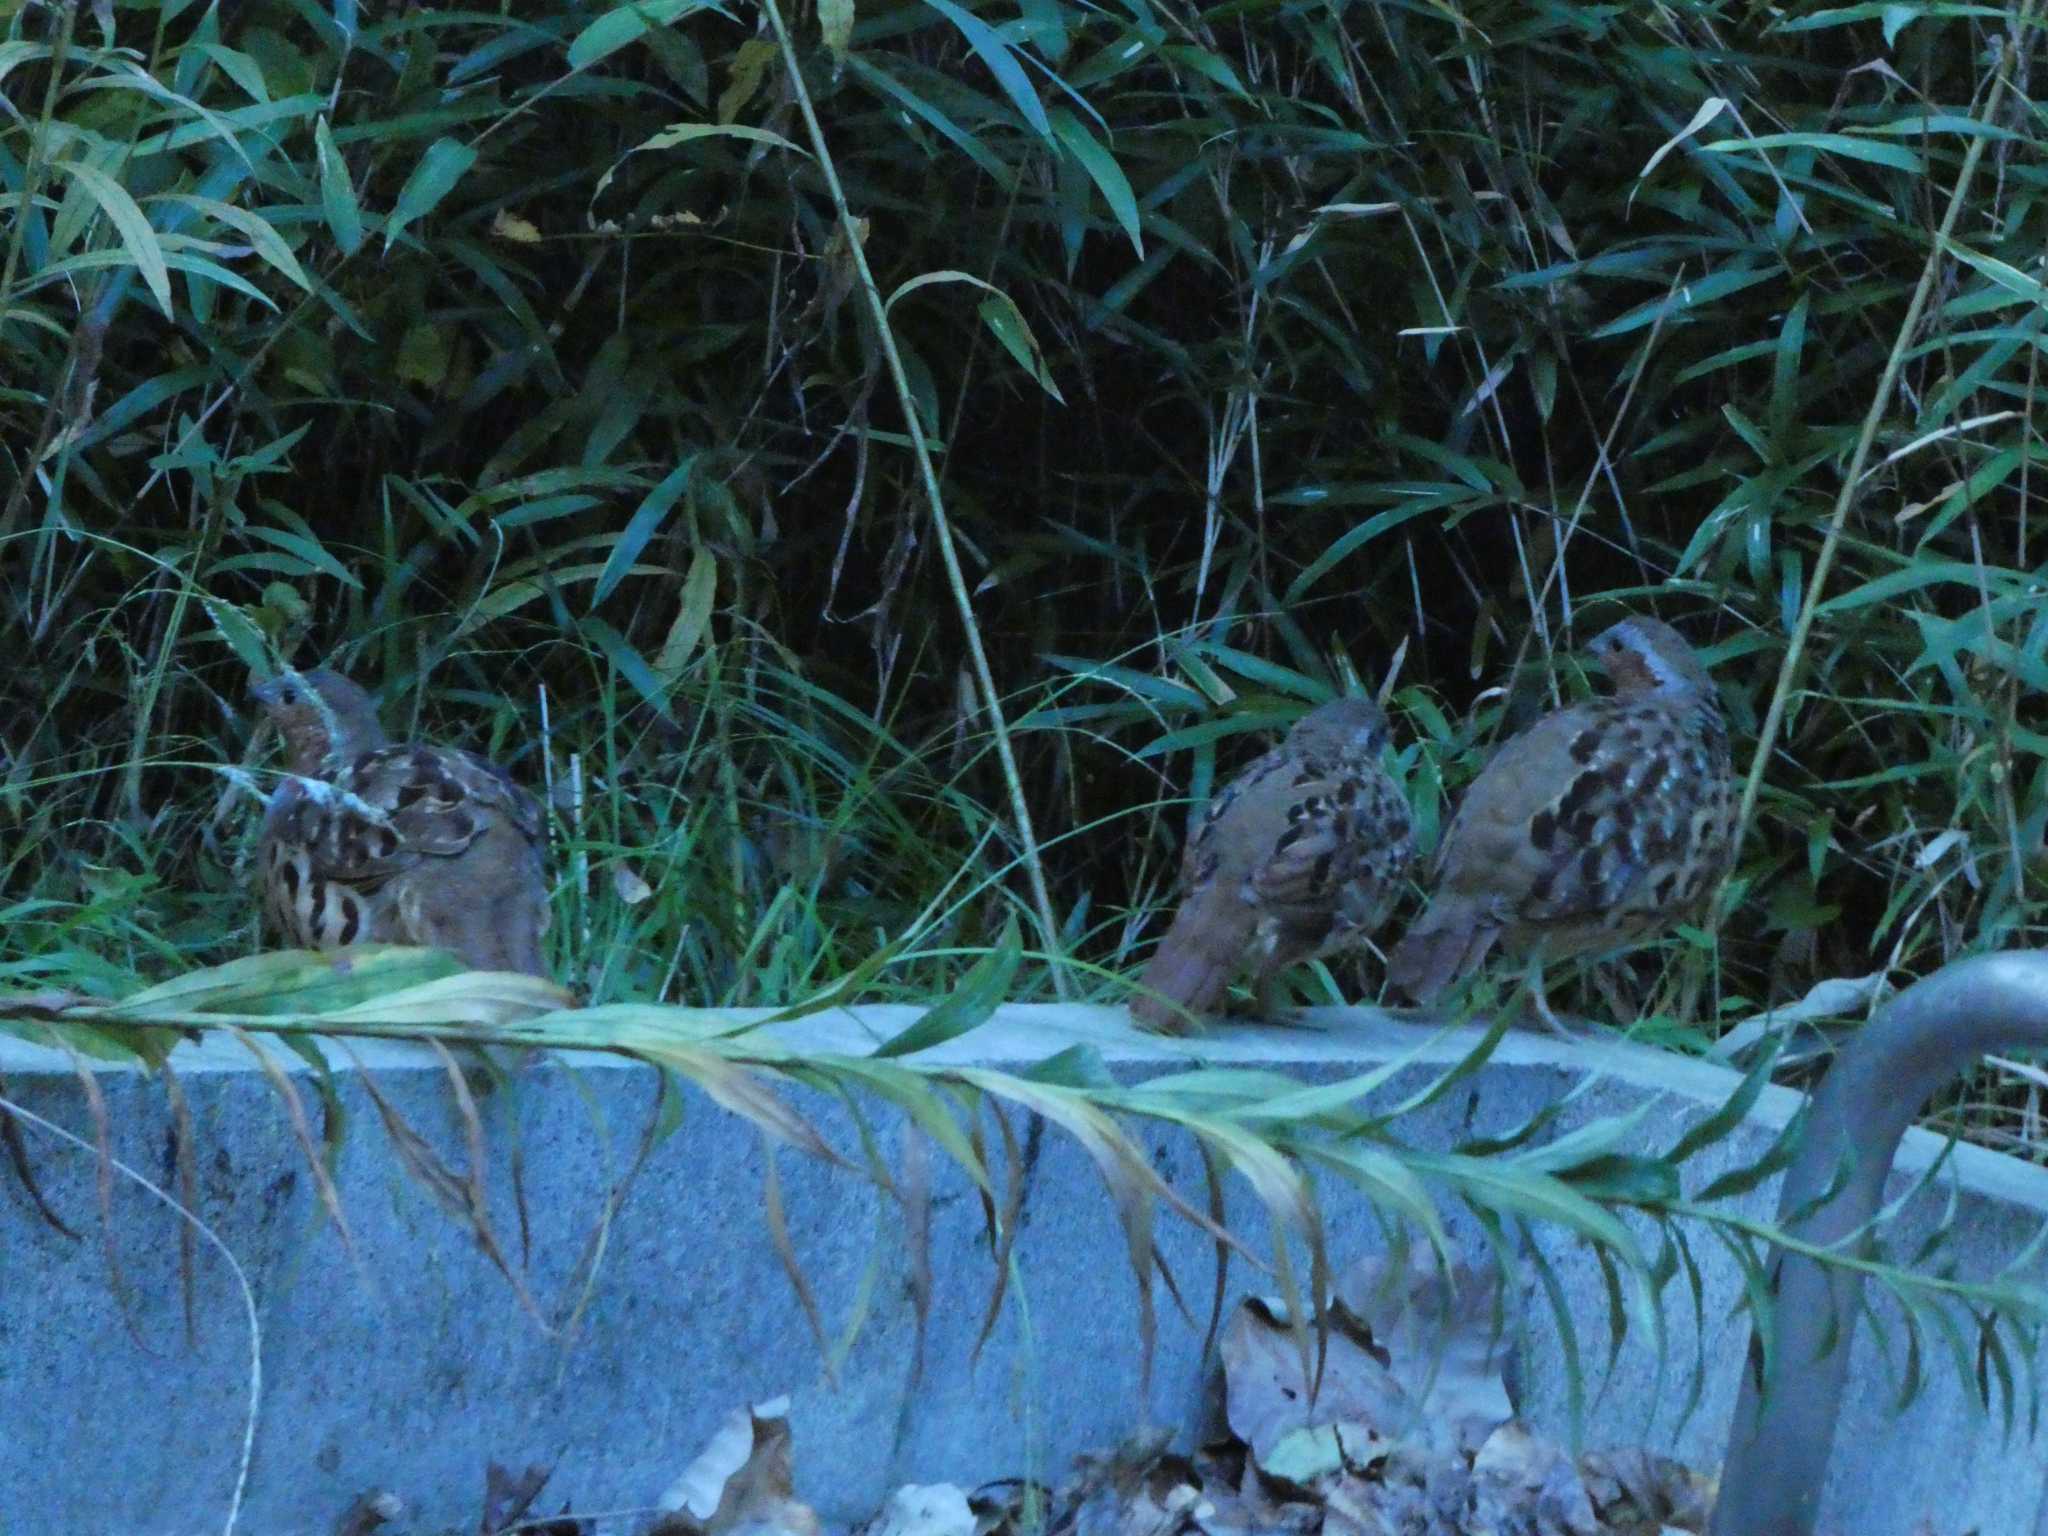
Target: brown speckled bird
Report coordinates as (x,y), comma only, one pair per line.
(402,844)
(1600,826)
(1297,857)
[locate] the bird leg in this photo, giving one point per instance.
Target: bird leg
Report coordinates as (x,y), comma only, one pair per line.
(1533,980)
(1265,983)
(1609,988)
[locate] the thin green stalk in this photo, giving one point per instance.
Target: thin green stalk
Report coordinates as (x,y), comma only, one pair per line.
(1823,564)
(984,679)
(32,177)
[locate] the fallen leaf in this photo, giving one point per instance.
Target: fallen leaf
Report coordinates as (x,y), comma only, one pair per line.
(1266,1396)
(1633,1488)
(741,1481)
(1436,1334)
(925,1509)
(1526,1482)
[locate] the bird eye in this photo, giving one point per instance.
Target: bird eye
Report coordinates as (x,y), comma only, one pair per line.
(288,697)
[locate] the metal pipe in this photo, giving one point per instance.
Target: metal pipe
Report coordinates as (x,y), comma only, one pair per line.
(1778,1444)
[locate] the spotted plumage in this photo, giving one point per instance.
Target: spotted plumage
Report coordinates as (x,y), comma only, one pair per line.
(365,840)
(1602,825)
(1297,857)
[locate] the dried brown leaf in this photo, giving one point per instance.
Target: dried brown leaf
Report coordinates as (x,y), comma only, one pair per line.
(1266,1385)
(188,1196)
(741,1480)
(1518,1476)
(785,1250)
(1634,1488)
(17,1156)
(1002,1225)
(1438,1336)
(302,1132)
(460,1195)
(117,1281)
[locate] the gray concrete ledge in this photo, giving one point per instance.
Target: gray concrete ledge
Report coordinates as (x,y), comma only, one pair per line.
(412,1365)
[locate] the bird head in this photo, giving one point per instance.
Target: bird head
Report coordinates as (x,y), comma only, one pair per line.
(323,717)
(1646,655)
(1339,728)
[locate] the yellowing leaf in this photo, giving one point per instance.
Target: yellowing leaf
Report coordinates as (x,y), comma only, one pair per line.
(835,23)
(749,64)
(699,588)
(509,226)
(423,356)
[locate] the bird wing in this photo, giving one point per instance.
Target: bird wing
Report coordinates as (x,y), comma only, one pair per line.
(392,807)
(1344,822)
(1218,837)
(1581,816)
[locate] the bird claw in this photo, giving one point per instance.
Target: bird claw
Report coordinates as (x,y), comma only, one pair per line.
(1552,1025)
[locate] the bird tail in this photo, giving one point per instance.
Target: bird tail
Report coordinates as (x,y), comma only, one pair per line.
(1447,943)
(1190,968)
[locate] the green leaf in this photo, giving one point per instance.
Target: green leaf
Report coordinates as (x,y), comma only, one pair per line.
(1925,573)
(1212,67)
(1002,316)
(873,75)
(423,355)
(337,194)
(440,168)
(629,663)
(1131,680)
(140,241)
(999,312)
(1845,144)
(240,634)
(1353,541)
(1715,285)
(645,522)
(685,133)
(259,231)
(239,67)
(1709,109)
(1103,170)
(1078,1066)
(616,28)
(1001,62)
(2002,273)
(1711,1128)
(744,73)
(978,995)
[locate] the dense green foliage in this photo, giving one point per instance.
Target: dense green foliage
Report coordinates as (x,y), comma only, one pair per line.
(519,363)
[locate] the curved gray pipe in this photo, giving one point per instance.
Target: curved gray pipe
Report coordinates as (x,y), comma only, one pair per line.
(1778,1449)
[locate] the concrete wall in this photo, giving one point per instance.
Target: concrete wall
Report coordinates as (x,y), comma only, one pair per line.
(411,1365)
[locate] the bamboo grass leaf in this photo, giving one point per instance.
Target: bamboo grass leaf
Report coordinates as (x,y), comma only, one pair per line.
(131,225)
(983,989)
(1002,63)
(626,24)
(1103,170)
(337,192)
(1847,145)
(445,163)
